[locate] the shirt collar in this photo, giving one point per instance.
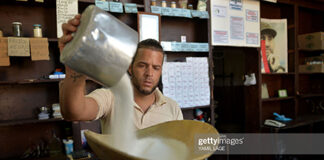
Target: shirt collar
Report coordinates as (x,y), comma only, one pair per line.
(159,99)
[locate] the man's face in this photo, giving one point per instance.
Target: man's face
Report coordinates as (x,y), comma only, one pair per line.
(146,70)
(269,43)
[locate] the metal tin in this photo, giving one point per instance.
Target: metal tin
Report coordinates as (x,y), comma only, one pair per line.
(17,29)
(102,47)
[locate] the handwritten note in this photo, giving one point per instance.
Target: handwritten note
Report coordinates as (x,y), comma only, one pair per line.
(39,49)
(204,15)
(167,11)
(195,13)
(102,4)
(130,8)
(156,9)
(4,58)
(65,10)
(116,7)
(18,47)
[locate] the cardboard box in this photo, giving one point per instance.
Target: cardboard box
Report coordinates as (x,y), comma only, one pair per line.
(312,68)
(311,41)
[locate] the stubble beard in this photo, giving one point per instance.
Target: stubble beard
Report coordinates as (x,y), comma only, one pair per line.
(138,87)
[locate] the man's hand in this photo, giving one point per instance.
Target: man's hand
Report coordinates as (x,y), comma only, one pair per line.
(68,28)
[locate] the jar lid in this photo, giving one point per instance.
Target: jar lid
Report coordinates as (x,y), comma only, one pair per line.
(173,2)
(37,25)
(17,23)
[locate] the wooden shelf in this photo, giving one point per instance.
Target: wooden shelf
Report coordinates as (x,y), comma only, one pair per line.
(28,121)
(93,1)
(311,95)
(291,51)
(310,51)
(87,1)
(276,74)
(53,39)
(30,81)
(278,99)
(291,26)
(299,122)
(195,107)
(311,73)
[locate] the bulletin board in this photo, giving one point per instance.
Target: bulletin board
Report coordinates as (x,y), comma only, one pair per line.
(235,23)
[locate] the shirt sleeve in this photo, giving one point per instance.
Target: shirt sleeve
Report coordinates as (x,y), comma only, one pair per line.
(105,101)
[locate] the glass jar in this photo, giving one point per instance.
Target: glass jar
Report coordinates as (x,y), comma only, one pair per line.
(17,29)
(153,2)
(190,6)
(173,4)
(164,4)
(183,4)
(38,30)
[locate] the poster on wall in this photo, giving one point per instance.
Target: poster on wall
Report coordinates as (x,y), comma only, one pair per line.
(235,23)
(274,47)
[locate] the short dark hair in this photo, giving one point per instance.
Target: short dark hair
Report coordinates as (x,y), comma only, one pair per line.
(150,44)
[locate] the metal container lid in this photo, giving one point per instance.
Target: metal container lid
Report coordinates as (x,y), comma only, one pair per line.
(37,25)
(16,23)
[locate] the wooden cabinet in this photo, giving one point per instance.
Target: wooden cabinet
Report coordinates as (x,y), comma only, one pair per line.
(24,88)
(241,108)
(302,89)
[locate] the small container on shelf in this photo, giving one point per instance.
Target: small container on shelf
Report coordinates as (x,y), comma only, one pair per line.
(190,6)
(153,2)
(1,35)
(164,4)
(183,4)
(38,30)
(17,29)
(173,4)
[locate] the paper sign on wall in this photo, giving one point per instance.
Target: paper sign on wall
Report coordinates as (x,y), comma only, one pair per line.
(4,58)
(65,10)
(235,23)
(18,47)
(39,49)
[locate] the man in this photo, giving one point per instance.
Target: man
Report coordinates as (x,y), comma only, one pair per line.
(268,34)
(150,106)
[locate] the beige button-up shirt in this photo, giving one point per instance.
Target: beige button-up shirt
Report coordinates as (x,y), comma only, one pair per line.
(164,109)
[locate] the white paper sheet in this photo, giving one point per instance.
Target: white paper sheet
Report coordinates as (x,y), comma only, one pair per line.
(231,20)
(65,10)
(149,27)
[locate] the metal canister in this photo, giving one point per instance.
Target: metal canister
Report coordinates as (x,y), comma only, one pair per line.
(38,30)
(17,29)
